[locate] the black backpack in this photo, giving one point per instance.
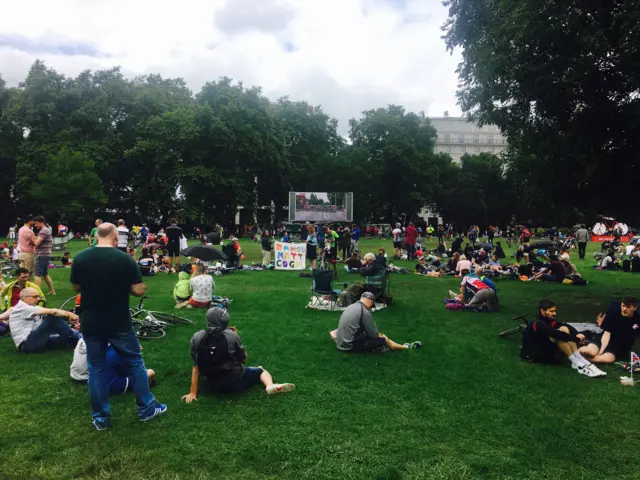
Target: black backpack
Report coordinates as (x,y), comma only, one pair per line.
(213,358)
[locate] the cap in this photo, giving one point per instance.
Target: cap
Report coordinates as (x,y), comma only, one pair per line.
(369,296)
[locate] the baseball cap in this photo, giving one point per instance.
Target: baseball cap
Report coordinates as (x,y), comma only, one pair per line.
(369,296)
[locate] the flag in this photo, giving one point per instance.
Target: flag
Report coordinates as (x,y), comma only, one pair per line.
(635,360)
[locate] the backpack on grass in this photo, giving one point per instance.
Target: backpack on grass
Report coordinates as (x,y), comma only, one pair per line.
(213,356)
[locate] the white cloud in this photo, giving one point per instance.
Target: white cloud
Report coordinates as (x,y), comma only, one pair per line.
(346,55)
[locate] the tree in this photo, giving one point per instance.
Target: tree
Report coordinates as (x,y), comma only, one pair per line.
(561,81)
(68,185)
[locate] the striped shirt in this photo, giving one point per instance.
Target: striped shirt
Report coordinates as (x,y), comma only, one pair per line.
(44,249)
(123,237)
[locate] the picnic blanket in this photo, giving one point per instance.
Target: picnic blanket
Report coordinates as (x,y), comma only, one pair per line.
(316,304)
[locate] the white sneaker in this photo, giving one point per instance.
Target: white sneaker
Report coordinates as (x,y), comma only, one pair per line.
(280,388)
(586,370)
(597,371)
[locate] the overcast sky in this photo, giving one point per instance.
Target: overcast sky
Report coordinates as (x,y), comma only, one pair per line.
(346,55)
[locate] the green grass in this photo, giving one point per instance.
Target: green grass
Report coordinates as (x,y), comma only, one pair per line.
(463,407)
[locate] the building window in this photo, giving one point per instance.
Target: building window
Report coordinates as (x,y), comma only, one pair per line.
(447,138)
(490,140)
(461,138)
(476,150)
(446,149)
(476,139)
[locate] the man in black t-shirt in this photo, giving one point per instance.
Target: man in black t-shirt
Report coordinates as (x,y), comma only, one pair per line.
(105,277)
(620,325)
(174,234)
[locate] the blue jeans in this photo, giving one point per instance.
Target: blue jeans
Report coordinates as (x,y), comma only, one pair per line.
(53,332)
(128,348)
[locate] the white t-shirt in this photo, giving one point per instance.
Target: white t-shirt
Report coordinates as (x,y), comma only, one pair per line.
(202,288)
(22,321)
(396,234)
(123,237)
(463,265)
(565,257)
(606,261)
(630,249)
(79,369)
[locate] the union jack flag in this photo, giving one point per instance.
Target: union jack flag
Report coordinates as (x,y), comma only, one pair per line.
(635,360)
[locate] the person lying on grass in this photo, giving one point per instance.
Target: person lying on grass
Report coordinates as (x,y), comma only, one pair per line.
(547,341)
(219,355)
(359,334)
(620,327)
(118,380)
(35,329)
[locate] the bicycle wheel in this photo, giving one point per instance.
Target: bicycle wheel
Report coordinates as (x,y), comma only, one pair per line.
(171,318)
(69,304)
(149,332)
(511,331)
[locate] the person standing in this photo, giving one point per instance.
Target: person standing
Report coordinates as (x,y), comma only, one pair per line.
(44,245)
(93,237)
(26,244)
(267,246)
(174,234)
(410,241)
(12,232)
(123,236)
(355,238)
(105,277)
(312,246)
(582,237)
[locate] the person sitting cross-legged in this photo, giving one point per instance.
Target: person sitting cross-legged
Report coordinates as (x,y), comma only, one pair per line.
(359,334)
(477,292)
(545,341)
(218,355)
(35,329)
(620,327)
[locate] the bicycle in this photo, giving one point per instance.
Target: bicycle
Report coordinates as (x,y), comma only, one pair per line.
(150,324)
(523,323)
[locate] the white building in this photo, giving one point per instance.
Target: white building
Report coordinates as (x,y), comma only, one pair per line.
(457,136)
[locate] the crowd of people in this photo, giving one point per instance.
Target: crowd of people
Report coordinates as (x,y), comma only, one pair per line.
(107,354)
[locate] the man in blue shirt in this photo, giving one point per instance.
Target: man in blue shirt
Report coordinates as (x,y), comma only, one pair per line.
(355,238)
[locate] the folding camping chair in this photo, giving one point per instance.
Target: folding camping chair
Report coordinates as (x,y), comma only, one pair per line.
(322,288)
(380,285)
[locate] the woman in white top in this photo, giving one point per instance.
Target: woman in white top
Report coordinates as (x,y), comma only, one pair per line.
(202,287)
(463,264)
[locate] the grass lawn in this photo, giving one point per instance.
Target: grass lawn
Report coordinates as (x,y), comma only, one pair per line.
(463,407)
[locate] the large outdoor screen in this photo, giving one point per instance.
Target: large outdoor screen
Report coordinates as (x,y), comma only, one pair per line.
(320,207)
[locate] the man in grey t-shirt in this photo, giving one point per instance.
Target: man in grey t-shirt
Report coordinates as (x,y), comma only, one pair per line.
(358,333)
(231,375)
(582,237)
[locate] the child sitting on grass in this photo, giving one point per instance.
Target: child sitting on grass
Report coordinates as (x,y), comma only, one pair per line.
(218,355)
(182,290)
(66,260)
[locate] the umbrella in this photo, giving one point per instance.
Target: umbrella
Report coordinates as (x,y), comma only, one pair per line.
(204,252)
(486,246)
(544,244)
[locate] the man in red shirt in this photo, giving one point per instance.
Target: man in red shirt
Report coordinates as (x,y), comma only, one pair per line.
(26,245)
(410,238)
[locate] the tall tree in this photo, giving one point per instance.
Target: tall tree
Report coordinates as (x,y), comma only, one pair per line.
(561,80)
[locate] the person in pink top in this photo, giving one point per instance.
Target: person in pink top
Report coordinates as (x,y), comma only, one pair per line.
(26,245)
(410,241)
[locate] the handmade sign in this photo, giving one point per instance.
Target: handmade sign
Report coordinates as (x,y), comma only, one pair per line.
(290,256)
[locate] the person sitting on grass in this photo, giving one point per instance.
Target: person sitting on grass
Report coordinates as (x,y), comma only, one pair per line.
(10,294)
(147,263)
(35,329)
(118,381)
(369,266)
(66,260)
(182,290)
(554,271)
(499,252)
(620,327)
(354,263)
(358,333)
(219,355)
(480,294)
(201,288)
(546,341)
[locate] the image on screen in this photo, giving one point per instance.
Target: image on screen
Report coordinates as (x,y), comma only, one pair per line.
(321,207)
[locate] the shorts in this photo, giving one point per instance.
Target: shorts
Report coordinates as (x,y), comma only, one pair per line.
(312,252)
(249,378)
(41,266)
(124,249)
(619,355)
(397,245)
(180,299)
(173,250)
(370,345)
(27,260)
(333,253)
(196,304)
